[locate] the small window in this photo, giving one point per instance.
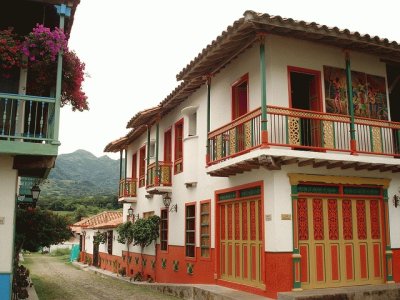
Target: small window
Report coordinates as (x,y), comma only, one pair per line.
(193,124)
(164,230)
(148,214)
(142,166)
(190,242)
(109,241)
(178,162)
(205,229)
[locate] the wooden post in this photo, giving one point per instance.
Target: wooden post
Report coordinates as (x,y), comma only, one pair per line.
(157,171)
(296,257)
(208,117)
(353,144)
(264,127)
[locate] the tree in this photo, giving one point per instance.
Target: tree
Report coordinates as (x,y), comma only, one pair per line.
(145,231)
(125,236)
(38,228)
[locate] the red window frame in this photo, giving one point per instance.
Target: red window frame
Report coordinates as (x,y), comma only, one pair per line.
(164,230)
(142,166)
(178,149)
(168,145)
(190,230)
(235,110)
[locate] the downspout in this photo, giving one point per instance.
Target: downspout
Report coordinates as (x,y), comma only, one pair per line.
(353,144)
(63,11)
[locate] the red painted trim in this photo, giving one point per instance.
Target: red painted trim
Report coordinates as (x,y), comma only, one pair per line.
(349,261)
(195,222)
(244,78)
(316,73)
(178,159)
(335,261)
(161,210)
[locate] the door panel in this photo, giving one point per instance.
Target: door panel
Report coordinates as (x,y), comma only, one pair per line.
(241,241)
(340,242)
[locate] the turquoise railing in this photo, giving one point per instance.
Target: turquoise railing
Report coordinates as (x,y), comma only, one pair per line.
(26,118)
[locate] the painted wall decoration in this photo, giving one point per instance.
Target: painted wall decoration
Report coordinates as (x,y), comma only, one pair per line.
(369,93)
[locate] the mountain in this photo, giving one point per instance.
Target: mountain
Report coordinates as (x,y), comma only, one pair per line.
(81,174)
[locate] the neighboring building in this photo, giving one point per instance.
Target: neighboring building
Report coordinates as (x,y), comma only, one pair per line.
(106,255)
(28,124)
(277,184)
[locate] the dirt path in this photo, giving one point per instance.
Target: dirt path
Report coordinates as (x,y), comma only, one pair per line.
(54,279)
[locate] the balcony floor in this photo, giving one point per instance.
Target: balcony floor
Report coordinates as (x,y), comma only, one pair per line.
(27,148)
(275,158)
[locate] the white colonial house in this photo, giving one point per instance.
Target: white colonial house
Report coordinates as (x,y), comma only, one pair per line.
(29,124)
(279,153)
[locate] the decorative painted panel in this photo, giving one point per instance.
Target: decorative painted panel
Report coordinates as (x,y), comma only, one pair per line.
(318,219)
(376,138)
(252,220)
(328,133)
(303,219)
(247,135)
(349,262)
(230,221)
(320,262)
(294,130)
(333,219)
(232,141)
(335,262)
(237,222)
(219,153)
(375,223)
(347,220)
(244,221)
(361,220)
(304,263)
(363,261)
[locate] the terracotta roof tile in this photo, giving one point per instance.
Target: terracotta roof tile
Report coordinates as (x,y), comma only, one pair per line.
(100,219)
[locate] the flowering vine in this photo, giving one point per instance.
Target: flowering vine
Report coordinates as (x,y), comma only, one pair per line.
(10,51)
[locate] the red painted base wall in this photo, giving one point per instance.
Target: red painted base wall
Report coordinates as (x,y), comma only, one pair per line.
(396,265)
(278,268)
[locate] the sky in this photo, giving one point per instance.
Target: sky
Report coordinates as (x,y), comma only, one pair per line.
(133,50)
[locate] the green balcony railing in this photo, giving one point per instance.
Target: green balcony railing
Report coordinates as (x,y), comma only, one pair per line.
(164,174)
(27,118)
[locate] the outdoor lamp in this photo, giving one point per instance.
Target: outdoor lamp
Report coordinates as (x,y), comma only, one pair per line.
(396,200)
(167,200)
(35,193)
(130,211)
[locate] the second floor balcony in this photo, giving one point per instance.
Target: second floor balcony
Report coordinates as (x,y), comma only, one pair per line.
(27,125)
(159,180)
(308,132)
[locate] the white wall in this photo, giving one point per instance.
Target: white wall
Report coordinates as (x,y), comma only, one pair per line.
(8,191)
(280,52)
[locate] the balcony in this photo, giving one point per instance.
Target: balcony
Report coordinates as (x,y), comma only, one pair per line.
(27,125)
(127,190)
(314,135)
(159,182)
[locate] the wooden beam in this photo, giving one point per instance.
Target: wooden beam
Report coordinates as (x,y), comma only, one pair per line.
(320,164)
(269,162)
(289,161)
(348,166)
(305,162)
(362,167)
(33,162)
(337,164)
(387,168)
(397,170)
(375,167)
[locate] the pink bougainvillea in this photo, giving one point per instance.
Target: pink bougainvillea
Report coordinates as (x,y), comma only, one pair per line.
(10,51)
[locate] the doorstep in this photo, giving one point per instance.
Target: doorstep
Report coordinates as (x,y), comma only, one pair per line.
(182,291)
(363,292)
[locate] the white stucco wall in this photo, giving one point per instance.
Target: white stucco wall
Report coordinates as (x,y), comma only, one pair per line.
(8,191)
(281,52)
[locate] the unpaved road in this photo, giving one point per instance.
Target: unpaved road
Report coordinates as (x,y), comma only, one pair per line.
(56,280)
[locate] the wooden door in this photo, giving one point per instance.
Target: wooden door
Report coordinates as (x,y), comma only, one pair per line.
(167,146)
(340,242)
(241,241)
(96,254)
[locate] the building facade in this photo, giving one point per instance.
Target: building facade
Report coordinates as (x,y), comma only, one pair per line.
(28,124)
(279,153)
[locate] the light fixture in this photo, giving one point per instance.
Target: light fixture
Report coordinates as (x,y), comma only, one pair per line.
(396,200)
(35,194)
(130,211)
(167,203)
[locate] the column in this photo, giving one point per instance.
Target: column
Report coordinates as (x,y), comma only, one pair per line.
(63,11)
(264,127)
(208,117)
(353,145)
(388,248)
(158,170)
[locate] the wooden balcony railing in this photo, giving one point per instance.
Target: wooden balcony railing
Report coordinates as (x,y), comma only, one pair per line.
(302,129)
(27,118)
(127,187)
(164,174)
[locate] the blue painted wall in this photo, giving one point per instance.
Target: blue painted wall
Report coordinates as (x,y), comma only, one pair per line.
(5,286)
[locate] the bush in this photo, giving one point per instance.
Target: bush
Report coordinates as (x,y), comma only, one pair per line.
(61,252)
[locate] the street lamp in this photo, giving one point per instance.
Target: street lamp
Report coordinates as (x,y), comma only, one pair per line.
(130,213)
(35,194)
(167,202)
